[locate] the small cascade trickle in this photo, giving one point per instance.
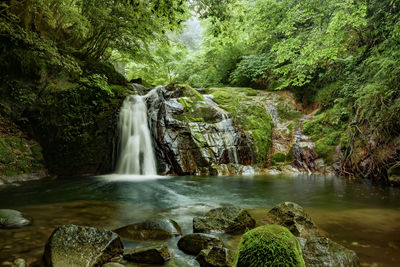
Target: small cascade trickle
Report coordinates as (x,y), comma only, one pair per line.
(303,150)
(137,155)
(227,123)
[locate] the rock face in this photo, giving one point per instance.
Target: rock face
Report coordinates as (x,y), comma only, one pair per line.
(72,245)
(156,229)
(151,255)
(303,151)
(293,217)
(225,219)
(324,252)
(12,219)
(394,174)
(193,136)
(194,243)
(269,245)
(215,257)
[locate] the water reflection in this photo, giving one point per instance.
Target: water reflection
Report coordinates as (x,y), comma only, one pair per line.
(355,213)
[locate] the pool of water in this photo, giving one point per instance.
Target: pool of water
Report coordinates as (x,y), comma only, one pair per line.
(356,214)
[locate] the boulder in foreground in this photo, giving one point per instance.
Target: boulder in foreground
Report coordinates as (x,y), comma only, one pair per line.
(293,217)
(269,245)
(321,251)
(73,245)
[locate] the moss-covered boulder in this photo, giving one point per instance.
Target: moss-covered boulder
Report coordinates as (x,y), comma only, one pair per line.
(228,219)
(269,245)
(293,217)
(73,245)
(155,229)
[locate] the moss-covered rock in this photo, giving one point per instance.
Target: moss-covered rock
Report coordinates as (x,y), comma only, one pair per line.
(269,245)
(249,115)
(193,135)
(76,126)
(328,130)
(105,68)
(19,155)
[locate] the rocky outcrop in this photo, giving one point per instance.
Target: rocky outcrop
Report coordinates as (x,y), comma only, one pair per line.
(225,219)
(193,136)
(293,217)
(155,229)
(322,251)
(194,243)
(215,257)
(72,245)
(151,255)
(269,245)
(12,219)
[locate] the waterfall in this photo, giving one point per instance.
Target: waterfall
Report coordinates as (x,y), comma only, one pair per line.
(136,150)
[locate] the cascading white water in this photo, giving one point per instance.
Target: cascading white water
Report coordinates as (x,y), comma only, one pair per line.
(137,155)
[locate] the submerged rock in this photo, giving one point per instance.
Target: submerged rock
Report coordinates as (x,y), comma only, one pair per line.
(150,255)
(322,251)
(269,245)
(225,219)
(12,219)
(293,217)
(72,245)
(155,229)
(215,257)
(194,243)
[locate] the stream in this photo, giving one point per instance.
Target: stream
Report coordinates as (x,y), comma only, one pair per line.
(356,214)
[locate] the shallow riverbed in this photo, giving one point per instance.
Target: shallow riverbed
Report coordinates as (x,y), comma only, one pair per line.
(356,214)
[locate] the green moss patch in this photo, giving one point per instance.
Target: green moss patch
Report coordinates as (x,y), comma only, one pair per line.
(248,115)
(328,130)
(286,113)
(269,245)
(18,155)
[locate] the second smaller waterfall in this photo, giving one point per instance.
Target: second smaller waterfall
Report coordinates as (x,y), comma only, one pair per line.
(136,150)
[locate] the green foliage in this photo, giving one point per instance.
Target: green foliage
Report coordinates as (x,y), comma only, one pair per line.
(269,245)
(248,115)
(106,69)
(327,131)
(98,84)
(18,155)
